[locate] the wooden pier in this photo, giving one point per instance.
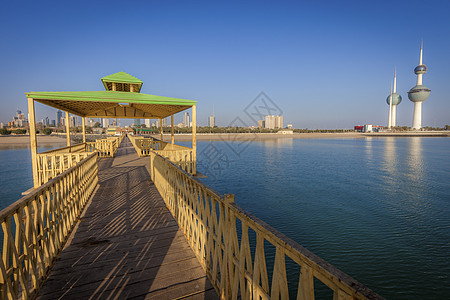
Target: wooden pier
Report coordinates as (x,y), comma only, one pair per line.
(127,244)
(127,218)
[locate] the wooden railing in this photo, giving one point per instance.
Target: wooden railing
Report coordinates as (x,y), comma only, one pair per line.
(53,162)
(143,146)
(105,147)
(36,227)
(231,244)
(70,149)
(179,155)
(50,165)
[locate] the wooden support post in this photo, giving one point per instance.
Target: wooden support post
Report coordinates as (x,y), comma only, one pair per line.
(194,137)
(33,141)
(171,129)
(161,127)
(83,124)
(113,86)
(68,128)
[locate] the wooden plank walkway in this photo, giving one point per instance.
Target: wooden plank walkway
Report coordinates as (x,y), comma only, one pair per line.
(127,244)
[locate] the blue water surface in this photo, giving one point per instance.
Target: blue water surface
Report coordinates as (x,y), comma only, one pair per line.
(377,208)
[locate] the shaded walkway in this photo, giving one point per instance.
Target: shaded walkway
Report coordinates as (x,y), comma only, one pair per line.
(127,244)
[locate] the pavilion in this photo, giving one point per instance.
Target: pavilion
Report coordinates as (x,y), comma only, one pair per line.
(122,98)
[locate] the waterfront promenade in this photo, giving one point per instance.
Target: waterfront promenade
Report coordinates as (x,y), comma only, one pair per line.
(127,244)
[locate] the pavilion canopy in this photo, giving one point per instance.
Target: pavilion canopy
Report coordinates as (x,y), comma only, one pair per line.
(113,104)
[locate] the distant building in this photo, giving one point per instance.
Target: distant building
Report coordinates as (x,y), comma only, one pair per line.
(278,121)
(186,119)
(59,118)
(74,122)
(211,121)
(148,123)
(261,123)
(285,131)
(289,126)
(105,122)
(368,128)
(137,122)
(19,120)
(272,122)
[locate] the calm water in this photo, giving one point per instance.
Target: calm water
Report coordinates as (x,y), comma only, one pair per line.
(377,208)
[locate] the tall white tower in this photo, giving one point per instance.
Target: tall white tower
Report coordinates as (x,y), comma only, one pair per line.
(419,93)
(393,100)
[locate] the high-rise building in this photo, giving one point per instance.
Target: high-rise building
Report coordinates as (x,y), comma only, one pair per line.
(73,121)
(278,121)
(186,119)
(261,123)
(137,122)
(269,122)
(393,100)
(59,117)
(419,93)
(211,121)
(105,122)
(272,122)
(147,123)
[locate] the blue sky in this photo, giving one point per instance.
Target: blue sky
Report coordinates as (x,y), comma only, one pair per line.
(326,64)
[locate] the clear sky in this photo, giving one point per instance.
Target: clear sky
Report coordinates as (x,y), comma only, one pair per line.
(326,64)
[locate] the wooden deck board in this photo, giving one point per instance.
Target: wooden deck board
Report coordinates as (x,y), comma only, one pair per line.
(127,244)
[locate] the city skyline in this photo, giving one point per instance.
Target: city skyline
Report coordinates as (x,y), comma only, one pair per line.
(325,65)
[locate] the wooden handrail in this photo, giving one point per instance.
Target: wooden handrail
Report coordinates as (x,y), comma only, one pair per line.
(218,231)
(179,155)
(36,227)
(69,149)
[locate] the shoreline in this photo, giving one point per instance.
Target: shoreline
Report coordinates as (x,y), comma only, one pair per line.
(61,140)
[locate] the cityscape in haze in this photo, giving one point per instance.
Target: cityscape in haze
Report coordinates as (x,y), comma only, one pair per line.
(325,64)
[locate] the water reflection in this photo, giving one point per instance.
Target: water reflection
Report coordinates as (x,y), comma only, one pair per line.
(415,159)
(279,143)
(275,151)
(14,146)
(390,163)
(369,150)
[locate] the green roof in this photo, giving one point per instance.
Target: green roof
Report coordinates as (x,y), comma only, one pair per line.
(113,104)
(121,77)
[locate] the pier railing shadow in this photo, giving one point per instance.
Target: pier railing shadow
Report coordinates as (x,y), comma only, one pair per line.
(244,257)
(127,243)
(36,227)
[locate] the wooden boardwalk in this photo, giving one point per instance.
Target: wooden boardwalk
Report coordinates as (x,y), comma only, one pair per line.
(127,244)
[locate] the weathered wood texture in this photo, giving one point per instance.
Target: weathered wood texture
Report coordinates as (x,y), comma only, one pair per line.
(127,244)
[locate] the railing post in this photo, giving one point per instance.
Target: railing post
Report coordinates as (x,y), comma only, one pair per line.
(228,255)
(33,141)
(68,129)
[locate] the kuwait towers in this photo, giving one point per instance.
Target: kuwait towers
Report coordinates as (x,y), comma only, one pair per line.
(393,100)
(419,93)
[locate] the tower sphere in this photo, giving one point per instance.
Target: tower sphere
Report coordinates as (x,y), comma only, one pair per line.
(396,99)
(420,69)
(419,93)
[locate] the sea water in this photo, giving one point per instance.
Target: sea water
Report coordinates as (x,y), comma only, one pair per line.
(376,208)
